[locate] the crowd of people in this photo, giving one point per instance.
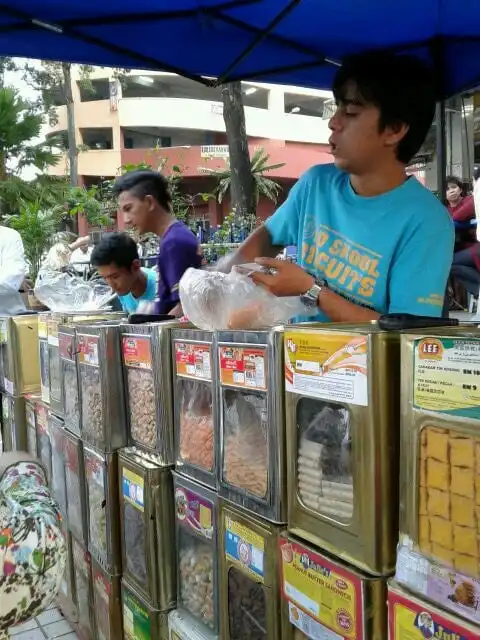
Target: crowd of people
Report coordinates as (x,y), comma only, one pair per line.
(370,241)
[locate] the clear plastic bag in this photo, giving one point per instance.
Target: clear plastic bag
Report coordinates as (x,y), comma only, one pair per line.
(215,301)
(196,423)
(245,463)
(66,292)
(324,465)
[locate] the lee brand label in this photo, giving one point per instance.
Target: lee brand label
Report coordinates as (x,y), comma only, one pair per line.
(133,489)
(137,352)
(242,367)
(194,511)
(136,620)
(193,360)
(329,366)
(245,548)
(413,621)
(447,376)
(88,350)
(323,590)
(66,346)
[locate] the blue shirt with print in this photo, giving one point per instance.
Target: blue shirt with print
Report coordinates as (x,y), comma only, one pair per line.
(391,253)
(130,303)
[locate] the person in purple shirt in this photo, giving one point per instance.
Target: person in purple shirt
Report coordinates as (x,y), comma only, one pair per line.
(144,200)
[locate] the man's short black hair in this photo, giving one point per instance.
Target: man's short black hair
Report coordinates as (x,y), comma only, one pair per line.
(115,248)
(145,182)
(402,87)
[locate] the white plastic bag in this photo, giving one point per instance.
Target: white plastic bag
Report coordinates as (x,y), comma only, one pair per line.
(212,300)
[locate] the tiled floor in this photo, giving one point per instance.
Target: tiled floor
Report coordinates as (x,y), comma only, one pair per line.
(48,625)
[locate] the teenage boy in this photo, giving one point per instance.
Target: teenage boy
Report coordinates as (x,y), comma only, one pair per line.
(145,202)
(116,259)
(370,239)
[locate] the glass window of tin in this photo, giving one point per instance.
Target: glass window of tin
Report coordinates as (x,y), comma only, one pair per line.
(245,441)
(196,431)
(247,607)
(196,577)
(324,460)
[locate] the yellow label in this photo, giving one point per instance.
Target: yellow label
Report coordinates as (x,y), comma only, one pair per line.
(447,376)
(327,365)
(322,589)
(245,548)
(205,517)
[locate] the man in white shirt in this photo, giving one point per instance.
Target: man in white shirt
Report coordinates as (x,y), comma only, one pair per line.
(80,258)
(12,259)
(13,269)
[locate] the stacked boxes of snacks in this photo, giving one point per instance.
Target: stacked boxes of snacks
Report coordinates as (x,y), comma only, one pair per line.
(146,489)
(438,555)
(103,430)
(195,486)
(252,481)
(342,451)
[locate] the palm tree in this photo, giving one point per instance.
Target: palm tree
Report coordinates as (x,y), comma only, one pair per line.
(20,125)
(263,187)
(37,225)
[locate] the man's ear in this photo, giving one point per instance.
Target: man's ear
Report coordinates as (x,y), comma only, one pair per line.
(136,265)
(151,202)
(395,133)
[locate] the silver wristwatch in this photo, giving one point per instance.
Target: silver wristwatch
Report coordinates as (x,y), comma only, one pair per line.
(310,298)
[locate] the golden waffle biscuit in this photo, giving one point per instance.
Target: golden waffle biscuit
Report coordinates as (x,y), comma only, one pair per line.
(463,511)
(437,444)
(465,541)
(438,503)
(438,475)
(462,451)
(441,532)
(465,564)
(462,482)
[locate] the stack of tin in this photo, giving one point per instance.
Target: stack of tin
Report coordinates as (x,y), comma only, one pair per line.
(439,552)
(19,378)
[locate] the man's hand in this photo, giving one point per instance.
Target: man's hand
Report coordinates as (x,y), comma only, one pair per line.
(290,279)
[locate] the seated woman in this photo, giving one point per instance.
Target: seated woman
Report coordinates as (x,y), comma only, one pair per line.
(32,547)
(466,260)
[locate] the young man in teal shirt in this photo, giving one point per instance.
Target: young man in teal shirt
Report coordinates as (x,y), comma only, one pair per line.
(116,259)
(370,240)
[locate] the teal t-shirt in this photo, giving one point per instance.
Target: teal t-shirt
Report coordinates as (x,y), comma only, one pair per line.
(130,303)
(390,253)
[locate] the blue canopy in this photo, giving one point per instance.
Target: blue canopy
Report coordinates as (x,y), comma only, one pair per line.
(283,41)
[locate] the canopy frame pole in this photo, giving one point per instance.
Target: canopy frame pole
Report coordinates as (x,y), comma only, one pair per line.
(441,138)
(223,78)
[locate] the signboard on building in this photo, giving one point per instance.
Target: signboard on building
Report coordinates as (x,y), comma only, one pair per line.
(214,151)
